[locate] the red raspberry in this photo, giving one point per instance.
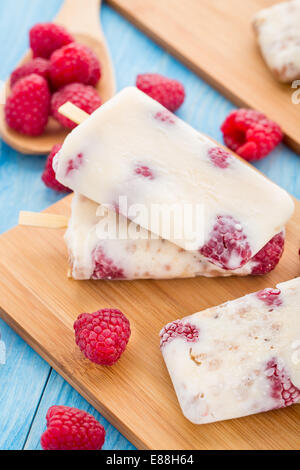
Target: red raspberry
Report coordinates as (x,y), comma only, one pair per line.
(48,175)
(39,66)
(165,116)
(268,257)
(219,157)
(71,63)
(282,389)
(104,267)
(74,164)
(144,171)
(171,331)
(72,429)
(250,134)
(95,67)
(83,96)
(228,246)
(270,297)
(27,107)
(102,336)
(45,38)
(168,92)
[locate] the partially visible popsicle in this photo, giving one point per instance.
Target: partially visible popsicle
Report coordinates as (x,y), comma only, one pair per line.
(278,35)
(237,359)
(132,147)
(128,251)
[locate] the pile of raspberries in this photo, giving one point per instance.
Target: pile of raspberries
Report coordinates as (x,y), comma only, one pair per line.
(60,70)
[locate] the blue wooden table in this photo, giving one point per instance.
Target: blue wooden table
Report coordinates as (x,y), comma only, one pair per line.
(28,385)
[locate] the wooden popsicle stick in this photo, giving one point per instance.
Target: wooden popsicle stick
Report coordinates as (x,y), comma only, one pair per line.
(43,220)
(71,111)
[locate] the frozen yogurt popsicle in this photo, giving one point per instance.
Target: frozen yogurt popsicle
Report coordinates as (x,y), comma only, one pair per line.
(278,35)
(133,148)
(237,359)
(130,252)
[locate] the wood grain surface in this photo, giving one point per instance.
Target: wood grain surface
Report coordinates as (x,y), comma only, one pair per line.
(215,39)
(136,395)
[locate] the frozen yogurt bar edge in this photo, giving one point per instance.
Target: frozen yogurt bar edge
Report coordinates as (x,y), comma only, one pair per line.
(278,36)
(126,251)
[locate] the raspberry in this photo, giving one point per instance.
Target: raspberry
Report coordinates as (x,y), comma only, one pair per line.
(48,175)
(95,67)
(72,429)
(250,134)
(27,107)
(102,336)
(171,331)
(104,267)
(270,297)
(39,66)
(282,389)
(228,246)
(268,257)
(45,38)
(83,96)
(145,172)
(165,116)
(70,64)
(219,157)
(74,164)
(168,92)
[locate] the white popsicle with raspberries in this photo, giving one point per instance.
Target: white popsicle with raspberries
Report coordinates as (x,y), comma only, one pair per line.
(278,35)
(237,359)
(131,253)
(133,148)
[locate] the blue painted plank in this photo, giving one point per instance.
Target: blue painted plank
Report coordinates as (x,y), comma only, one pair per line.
(21,188)
(22,380)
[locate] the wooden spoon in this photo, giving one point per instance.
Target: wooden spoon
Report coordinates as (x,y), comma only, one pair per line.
(82,21)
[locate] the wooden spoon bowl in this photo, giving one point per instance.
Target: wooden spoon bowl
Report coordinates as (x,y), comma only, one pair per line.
(83,23)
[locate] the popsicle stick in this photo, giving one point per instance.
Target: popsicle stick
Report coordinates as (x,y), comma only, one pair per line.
(43,220)
(70,111)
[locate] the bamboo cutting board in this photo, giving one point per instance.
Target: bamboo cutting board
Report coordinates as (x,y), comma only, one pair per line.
(136,395)
(215,39)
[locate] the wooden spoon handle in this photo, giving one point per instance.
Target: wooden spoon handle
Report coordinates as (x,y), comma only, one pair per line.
(81,16)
